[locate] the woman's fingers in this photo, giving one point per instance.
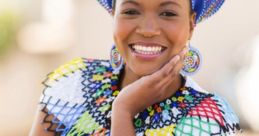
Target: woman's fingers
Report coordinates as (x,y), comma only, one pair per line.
(171,65)
(156,84)
(175,69)
(178,66)
(168,68)
(163,72)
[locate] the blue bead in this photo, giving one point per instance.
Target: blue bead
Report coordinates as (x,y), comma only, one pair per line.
(156,117)
(108,92)
(177,94)
(174,104)
(144,115)
(161,104)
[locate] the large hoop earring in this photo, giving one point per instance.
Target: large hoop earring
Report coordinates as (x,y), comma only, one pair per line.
(192,62)
(116,60)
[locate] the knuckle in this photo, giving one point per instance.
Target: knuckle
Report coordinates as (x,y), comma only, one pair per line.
(164,74)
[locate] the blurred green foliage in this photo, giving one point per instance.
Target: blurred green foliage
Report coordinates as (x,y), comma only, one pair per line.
(8,27)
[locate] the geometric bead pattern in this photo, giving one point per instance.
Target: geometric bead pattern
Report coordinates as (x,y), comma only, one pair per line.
(207,109)
(198,126)
(66,69)
(187,112)
(61,114)
(84,125)
(230,118)
(206,8)
(160,132)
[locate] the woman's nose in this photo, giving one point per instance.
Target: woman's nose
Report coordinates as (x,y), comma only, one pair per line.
(148,27)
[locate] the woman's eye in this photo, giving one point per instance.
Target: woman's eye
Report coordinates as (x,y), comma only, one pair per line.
(131,12)
(168,14)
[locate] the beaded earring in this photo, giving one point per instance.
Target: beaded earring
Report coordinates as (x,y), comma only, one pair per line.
(192,61)
(116,60)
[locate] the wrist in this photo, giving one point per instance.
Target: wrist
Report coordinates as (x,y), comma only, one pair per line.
(120,109)
(121,121)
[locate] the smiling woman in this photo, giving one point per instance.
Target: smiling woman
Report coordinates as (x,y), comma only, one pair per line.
(149,35)
(144,89)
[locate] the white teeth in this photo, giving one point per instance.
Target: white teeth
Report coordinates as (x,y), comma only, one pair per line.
(147,50)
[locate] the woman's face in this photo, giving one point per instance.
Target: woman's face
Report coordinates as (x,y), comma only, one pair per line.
(148,33)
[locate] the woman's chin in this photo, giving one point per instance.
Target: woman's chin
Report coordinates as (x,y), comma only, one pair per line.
(143,71)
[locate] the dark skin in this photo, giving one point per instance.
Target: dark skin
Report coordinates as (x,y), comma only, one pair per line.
(38,128)
(167,23)
(144,83)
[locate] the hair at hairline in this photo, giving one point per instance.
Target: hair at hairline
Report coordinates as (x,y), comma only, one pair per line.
(114,2)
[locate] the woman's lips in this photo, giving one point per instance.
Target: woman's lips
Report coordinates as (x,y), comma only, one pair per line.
(147,50)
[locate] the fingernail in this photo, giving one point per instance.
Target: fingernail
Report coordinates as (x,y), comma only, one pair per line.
(184,51)
(177,58)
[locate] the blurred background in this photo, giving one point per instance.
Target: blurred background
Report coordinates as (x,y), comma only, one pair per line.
(36,36)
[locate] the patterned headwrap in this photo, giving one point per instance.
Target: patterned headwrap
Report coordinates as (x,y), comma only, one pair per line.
(203,8)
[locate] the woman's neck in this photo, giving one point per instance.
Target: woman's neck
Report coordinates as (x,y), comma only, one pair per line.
(128,77)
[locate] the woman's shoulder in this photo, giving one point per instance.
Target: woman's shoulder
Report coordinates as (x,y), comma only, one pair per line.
(71,68)
(67,83)
(213,108)
(65,89)
(67,79)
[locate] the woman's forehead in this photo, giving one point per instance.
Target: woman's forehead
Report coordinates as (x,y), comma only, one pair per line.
(182,4)
(160,2)
(203,8)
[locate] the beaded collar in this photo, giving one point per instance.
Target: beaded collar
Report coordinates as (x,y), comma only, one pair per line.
(90,86)
(101,84)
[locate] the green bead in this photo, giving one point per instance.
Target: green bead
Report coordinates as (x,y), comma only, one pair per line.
(106,86)
(167,107)
(138,123)
(149,108)
(100,69)
(98,93)
(105,108)
(189,98)
(114,77)
(174,99)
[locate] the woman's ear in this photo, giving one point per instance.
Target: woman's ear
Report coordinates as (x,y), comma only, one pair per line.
(192,23)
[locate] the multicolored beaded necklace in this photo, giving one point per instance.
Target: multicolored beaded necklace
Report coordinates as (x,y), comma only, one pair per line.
(102,87)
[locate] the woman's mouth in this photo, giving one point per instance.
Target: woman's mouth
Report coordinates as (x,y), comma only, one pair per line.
(147,51)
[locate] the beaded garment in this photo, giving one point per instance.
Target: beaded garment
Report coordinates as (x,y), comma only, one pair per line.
(78,97)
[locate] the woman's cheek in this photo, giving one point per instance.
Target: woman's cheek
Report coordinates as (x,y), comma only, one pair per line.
(178,33)
(121,35)
(124,29)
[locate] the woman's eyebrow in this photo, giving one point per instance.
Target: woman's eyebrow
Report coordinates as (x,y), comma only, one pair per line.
(170,3)
(130,1)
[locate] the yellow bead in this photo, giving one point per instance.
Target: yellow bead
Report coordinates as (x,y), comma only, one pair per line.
(180,99)
(151,113)
(116,93)
(97,77)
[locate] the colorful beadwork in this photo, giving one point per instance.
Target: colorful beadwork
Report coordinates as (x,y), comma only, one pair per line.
(203,8)
(79,103)
(115,59)
(192,62)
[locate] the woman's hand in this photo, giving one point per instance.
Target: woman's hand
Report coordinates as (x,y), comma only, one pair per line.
(144,92)
(150,89)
